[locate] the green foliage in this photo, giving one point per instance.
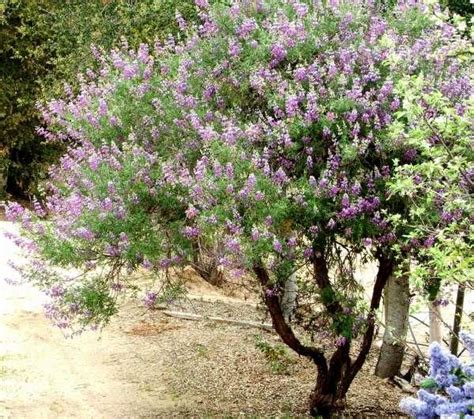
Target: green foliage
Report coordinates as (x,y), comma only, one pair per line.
(461,7)
(171,292)
(276,356)
(429,383)
(4,166)
(21,65)
(46,43)
(438,186)
(95,299)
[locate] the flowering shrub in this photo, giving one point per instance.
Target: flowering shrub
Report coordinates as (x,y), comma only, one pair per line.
(268,130)
(449,389)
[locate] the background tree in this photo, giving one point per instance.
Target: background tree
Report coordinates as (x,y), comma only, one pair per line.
(396,316)
(439,186)
(24,153)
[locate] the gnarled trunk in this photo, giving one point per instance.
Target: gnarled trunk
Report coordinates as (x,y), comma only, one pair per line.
(396,306)
(323,401)
(329,394)
(334,377)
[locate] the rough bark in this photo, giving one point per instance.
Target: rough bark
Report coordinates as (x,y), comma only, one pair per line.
(327,396)
(396,306)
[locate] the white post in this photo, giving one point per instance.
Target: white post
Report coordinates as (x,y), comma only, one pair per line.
(288,299)
(436,323)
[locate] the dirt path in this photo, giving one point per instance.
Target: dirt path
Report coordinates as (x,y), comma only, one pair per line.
(44,375)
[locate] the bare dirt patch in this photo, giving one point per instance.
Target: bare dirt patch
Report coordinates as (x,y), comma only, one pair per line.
(152,329)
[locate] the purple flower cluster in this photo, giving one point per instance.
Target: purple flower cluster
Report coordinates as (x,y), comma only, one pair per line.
(150,299)
(257,132)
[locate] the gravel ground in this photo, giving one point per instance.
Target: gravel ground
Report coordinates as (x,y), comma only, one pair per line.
(214,369)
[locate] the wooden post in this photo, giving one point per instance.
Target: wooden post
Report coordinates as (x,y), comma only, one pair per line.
(457,319)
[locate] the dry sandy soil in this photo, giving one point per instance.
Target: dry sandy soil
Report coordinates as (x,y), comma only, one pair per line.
(146,364)
(44,375)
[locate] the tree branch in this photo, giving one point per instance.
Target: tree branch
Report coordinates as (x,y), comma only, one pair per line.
(321,275)
(386,265)
(283,329)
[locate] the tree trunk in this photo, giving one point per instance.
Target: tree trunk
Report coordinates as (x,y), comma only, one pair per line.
(457,319)
(324,401)
(334,377)
(329,394)
(206,266)
(332,387)
(288,299)
(436,323)
(396,306)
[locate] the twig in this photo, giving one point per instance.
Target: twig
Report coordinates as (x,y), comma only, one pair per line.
(421,321)
(416,343)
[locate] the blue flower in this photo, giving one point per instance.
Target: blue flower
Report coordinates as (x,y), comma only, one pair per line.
(453,396)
